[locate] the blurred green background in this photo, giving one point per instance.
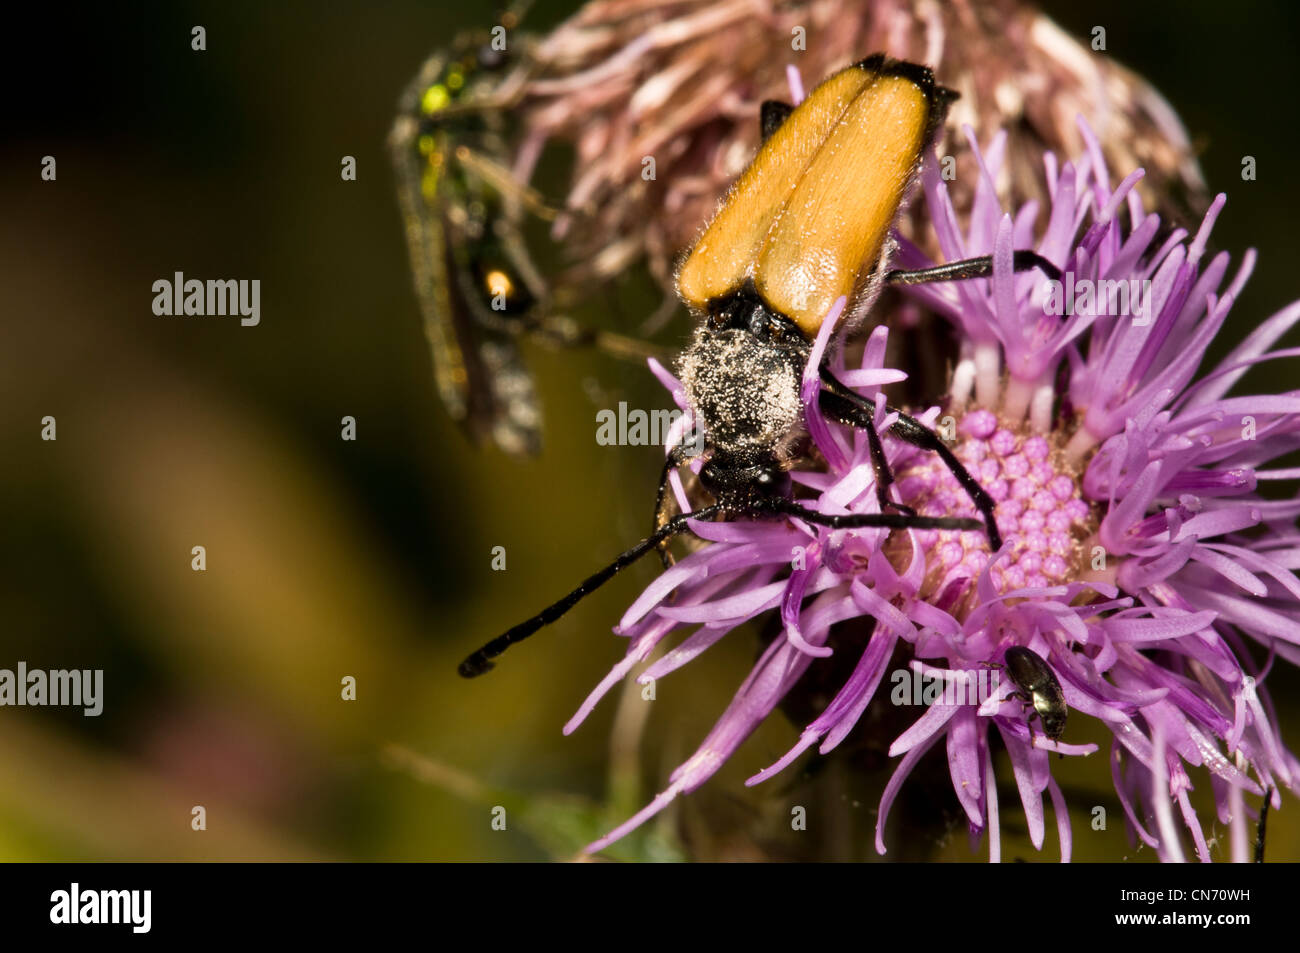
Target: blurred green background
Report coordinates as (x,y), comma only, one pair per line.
(372,558)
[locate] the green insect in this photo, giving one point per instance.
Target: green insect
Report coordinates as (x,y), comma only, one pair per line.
(464,214)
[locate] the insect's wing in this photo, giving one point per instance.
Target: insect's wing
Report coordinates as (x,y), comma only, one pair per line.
(832,229)
(726,252)
(481,379)
(502,396)
(426,241)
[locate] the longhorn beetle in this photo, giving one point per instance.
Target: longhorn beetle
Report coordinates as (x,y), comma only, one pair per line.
(807,223)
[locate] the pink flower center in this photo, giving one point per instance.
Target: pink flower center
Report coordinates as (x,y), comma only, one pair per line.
(1040,511)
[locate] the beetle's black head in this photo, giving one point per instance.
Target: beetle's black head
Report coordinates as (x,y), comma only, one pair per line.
(740,478)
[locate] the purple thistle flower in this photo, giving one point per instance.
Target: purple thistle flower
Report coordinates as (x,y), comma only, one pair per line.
(1139,560)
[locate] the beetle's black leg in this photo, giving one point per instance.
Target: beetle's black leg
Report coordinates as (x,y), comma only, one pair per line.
(884,475)
(836,406)
(852,408)
(912,430)
(1026,705)
(981,267)
(480,661)
(917,434)
(676,457)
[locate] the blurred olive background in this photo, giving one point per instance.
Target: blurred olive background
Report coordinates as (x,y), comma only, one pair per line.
(372,558)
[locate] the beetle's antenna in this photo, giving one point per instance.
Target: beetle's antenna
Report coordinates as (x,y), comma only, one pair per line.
(480,661)
(851,408)
(981,267)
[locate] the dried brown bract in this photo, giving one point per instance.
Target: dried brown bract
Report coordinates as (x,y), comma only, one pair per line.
(660,100)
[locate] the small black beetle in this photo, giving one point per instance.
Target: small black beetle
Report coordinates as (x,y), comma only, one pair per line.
(1039,689)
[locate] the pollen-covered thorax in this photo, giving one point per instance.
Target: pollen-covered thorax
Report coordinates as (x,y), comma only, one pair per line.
(744,391)
(1040,512)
